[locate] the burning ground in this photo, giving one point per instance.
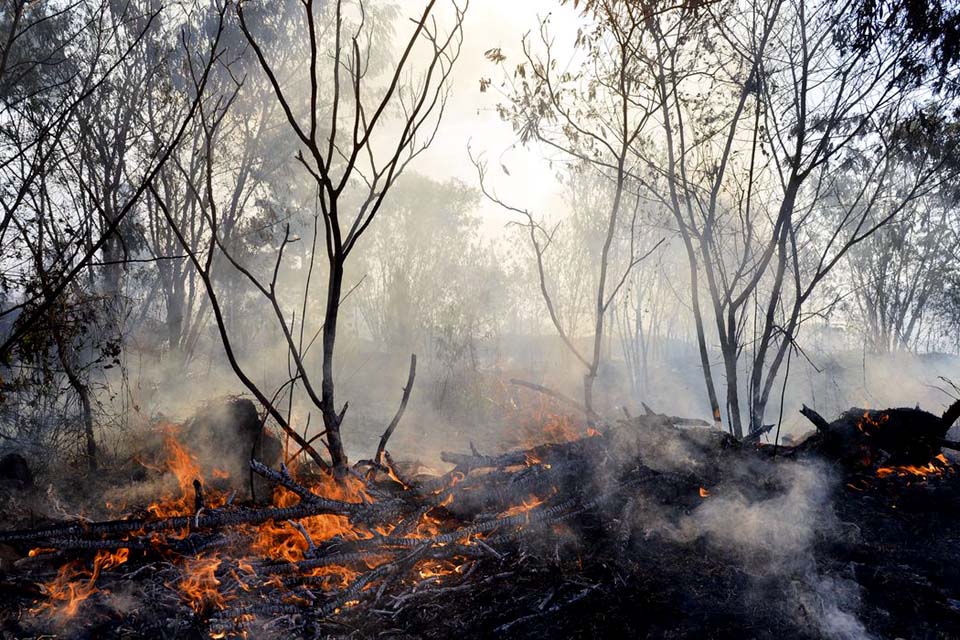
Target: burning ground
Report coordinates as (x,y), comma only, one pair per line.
(650,527)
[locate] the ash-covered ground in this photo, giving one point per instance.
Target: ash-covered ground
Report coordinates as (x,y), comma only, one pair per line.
(636,530)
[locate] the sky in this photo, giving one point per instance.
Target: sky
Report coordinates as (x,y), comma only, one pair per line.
(471,116)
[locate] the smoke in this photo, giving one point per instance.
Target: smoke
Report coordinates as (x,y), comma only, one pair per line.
(772,532)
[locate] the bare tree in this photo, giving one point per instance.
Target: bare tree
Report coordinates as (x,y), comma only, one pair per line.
(48,139)
(592,117)
(744,176)
(59,62)
(350,152)
(900,272)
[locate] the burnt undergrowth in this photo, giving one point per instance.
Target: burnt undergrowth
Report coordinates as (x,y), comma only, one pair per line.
(640,529)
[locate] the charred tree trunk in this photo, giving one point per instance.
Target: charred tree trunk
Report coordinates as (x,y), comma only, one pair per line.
(733,390)
(867,439)
(331,418)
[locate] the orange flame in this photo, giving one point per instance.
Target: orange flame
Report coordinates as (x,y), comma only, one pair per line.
(431,568)
(283,542)
(199,584)
(867,425)
(938,466)
(73,584)
(531,502)
(185,468)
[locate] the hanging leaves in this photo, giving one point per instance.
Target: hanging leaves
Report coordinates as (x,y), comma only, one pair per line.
(494,55)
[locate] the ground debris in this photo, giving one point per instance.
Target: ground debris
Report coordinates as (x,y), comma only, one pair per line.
(647,528)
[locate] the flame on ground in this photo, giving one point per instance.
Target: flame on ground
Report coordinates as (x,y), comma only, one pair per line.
(280,541)
(199,585)
(74,584)
(202,577)
(526,505)
(938,466)
(185,467)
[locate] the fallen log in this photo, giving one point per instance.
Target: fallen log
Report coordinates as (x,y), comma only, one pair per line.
(203,521)
(502,512)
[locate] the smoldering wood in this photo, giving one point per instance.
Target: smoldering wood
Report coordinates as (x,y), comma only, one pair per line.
(495,509)
(864,438)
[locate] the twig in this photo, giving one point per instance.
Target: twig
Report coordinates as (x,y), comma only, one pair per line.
(378,458)
(556,395)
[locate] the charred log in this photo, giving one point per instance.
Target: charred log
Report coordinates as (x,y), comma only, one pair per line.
(866,439)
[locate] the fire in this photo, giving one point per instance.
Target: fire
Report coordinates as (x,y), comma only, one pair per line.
(280,541)
(559,429)
(202,578)
(428,527)
(544,421)
(935,467)
(333,576)
(867,425)
(185,467)
(438,569)
(526,505)
(199,586)
(704,492)
(73,584)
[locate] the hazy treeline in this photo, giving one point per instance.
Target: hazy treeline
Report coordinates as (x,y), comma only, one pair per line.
(214,197)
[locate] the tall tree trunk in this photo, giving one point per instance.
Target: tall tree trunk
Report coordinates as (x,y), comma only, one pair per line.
(701,335)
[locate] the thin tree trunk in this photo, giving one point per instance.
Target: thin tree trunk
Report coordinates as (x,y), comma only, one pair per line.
(331,419)
(83,394)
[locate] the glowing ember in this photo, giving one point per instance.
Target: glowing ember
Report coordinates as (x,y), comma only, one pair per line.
(428,569)
(868,425)
(529,503)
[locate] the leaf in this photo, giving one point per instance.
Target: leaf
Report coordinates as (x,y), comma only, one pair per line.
(494,55)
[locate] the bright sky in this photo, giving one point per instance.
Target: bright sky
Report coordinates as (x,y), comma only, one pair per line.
(471,116)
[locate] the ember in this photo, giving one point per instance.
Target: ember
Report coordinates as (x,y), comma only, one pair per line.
(325,548)
(306,331)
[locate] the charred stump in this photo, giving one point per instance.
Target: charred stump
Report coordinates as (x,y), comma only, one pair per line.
(15,472)
(231,432)
(870,439)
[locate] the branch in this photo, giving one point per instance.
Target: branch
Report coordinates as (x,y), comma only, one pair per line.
(556,395)
(378,458)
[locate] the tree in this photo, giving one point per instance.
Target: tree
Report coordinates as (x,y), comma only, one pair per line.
(347,148)
(900,272)
(57,64)
(757,108)
(592,118)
